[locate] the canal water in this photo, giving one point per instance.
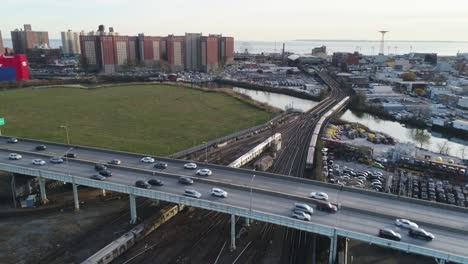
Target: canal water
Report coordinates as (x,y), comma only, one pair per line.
(406,134)
(280,101)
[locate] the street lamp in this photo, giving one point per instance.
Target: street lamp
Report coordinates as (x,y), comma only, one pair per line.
(66,131)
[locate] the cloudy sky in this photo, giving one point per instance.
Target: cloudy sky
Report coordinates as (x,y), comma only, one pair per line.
(269,20)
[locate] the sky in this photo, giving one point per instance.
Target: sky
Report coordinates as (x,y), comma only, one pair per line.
(257,20)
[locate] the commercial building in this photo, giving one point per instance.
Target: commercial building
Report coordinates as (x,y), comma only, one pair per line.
(2,49)
(71,43)
(28,39)
(14,68)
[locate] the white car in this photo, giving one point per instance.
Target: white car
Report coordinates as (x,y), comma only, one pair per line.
(219,192)
(14,156)
(319,195)
(406,224)
(298,214)
(38,162)
(147,160)
(204,172)
(190,165)
(192,193)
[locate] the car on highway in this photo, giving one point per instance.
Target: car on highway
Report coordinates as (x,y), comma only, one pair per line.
(105,173)
(142,184)
(156,182)
(303,207)
(97,177)
(41,148)
(389,234)
(147,160)
(100,167)
(160,165)
(319,195)
(301,215)
(405,223)
(70,155)
(192,193)
(186,180)
(12,140)
(56,160)
(420,234)
(219,192)
(327,207)
(190,165)
(15,156)
(115,162)
(38,162)
(204,172)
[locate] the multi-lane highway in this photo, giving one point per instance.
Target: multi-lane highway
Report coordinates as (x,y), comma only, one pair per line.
(363,212)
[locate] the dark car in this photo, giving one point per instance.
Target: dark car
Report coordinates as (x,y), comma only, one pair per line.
(100,167)
(142,184)
(327,207)
(41,147)
(186,180)
(70,155)
(389,234)
(421,234)
(12,140)
(105,173)
(160,165)
(156,182)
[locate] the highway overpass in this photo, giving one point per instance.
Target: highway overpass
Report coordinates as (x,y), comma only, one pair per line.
(362,214)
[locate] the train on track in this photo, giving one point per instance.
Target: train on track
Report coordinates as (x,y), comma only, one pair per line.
(256,151)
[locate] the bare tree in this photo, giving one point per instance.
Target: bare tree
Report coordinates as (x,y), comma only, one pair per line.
(443,147)
(462,150)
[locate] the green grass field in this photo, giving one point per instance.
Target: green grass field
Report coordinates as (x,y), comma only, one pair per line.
(153,119)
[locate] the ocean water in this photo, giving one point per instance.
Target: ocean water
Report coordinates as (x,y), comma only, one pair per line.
(444,48)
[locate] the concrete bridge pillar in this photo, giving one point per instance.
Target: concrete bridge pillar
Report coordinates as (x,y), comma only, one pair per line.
(333,246)
(440,261)
(314,249)
(133,211)
(75,197)
(233,232)
(42,189)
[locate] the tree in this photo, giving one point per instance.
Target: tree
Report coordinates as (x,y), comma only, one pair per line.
(421,136)
(161,65)
(323,93)
(408,76)
(84,63)
(443,147)
(358,101)
(420,92)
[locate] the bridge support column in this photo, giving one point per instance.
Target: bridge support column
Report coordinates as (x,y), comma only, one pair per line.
(314,249)
(343,250)
(75,197)
(233,232)
(42,189)
(333,245)
(104,193)
(440,261)
(247,222)
(133,212)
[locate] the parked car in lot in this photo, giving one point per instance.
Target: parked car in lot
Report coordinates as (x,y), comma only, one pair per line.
(303,207)
(186,180)
(98,177)
(420,234)
(105,173)
(327,207)
(41,147)
(115,162)
(378,165)
(147,160)
(12,140)
(15,156)
(389,234)
(70,155)
(142,184)
(204,172)
(319,195)
(190,165)
(160,165)
(219,192)
(156,182)
(38,162)
(301,215)
(56,160)
(405,223)
(100,167)
(192,193)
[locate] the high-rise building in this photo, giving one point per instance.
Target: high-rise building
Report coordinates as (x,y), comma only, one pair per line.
(226,50)
(2,49)
(209,53)
(28,39)
(90,52)
(151,49)
(175,52)
(193,51)
(71,42)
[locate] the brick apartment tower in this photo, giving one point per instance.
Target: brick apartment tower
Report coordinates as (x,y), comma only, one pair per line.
(28,39)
